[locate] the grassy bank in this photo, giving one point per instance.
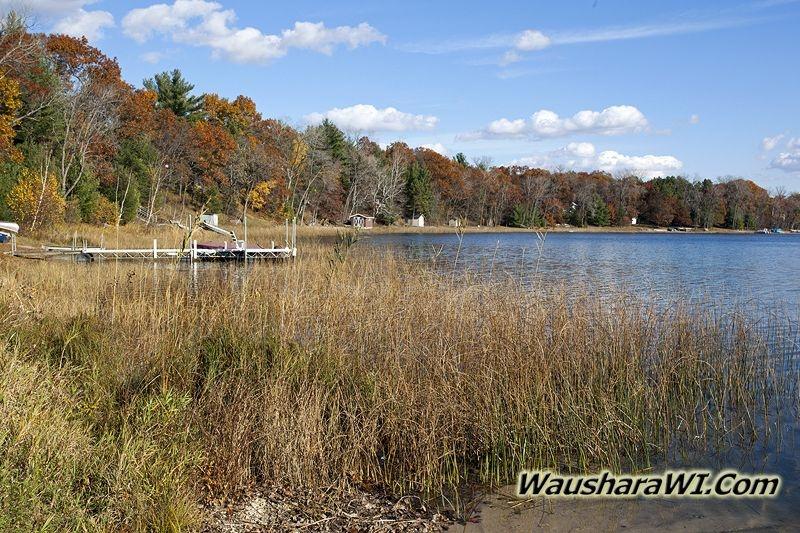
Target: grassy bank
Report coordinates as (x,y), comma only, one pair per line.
(129,393)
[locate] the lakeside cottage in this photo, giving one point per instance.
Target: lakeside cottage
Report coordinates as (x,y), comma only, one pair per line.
(357,220)
(418,222)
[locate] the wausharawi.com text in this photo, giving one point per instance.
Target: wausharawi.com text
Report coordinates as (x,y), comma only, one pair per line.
(669,484)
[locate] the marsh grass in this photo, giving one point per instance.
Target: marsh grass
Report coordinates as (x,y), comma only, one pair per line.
(129,393)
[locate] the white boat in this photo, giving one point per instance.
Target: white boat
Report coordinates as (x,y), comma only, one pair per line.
(9,227)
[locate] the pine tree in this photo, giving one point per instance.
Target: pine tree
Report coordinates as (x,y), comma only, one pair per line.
(419,194)
(174,93)
(599,214)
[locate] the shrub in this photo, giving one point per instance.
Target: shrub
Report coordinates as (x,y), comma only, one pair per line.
(105,211)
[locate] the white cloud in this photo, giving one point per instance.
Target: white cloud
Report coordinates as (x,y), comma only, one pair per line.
(142,23)
(364,117)
(510,57)
(89,24)
(531,40)
(438,148)
(506,128)
(614,120)
(645,165)
(54,8)
(206,23)
(769,143)
(538,40)
(694,119)
(789,160)
(584,156)
(65,16)
(582,149)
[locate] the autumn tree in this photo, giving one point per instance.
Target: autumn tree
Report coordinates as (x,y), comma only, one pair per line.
(92,92)
(35,200)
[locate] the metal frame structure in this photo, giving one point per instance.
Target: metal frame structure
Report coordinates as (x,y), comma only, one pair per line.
(240,253)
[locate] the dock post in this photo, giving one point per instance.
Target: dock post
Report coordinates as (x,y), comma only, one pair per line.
(155,248)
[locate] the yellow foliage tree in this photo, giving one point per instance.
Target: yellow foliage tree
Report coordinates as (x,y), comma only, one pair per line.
(10,102)
(105,212)
(35,200)
(259,196)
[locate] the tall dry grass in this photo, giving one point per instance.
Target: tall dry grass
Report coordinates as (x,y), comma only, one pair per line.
(131,391)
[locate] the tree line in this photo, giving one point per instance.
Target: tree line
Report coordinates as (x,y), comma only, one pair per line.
(78,143)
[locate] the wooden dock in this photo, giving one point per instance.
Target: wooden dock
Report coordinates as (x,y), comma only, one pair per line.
(239,251)
(191,254)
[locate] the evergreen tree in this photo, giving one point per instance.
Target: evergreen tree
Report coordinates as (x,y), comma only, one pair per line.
(174,93)
(523,216)
(335,142)
(338,147)
(419,194)
(599,214)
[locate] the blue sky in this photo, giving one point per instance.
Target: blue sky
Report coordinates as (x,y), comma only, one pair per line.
(704,89)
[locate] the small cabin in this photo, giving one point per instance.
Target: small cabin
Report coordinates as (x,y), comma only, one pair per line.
(418,222)
(358,220)
(454,223)
(633,221)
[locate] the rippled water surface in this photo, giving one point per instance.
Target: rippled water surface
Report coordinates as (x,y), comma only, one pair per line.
(721,267)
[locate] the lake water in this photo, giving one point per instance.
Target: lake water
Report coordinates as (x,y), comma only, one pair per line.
(726,268)
(761,272)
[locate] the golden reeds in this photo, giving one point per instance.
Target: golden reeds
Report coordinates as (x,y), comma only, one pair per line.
(130,391)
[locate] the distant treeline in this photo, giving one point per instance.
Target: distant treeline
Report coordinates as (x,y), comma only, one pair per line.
(77,143)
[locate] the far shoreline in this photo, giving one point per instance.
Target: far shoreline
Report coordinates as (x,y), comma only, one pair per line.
(443,230)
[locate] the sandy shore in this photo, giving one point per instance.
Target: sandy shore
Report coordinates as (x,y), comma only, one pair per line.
(503,512)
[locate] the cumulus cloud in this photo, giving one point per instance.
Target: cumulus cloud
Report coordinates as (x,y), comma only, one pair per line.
(531,40)
(89,24)
(438,148)
(206,23)
(645,165)
(584,156)
(614,120)
(769,143)
(788,161)
(365,117)
(583,149)
(65,16)
(694,119)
